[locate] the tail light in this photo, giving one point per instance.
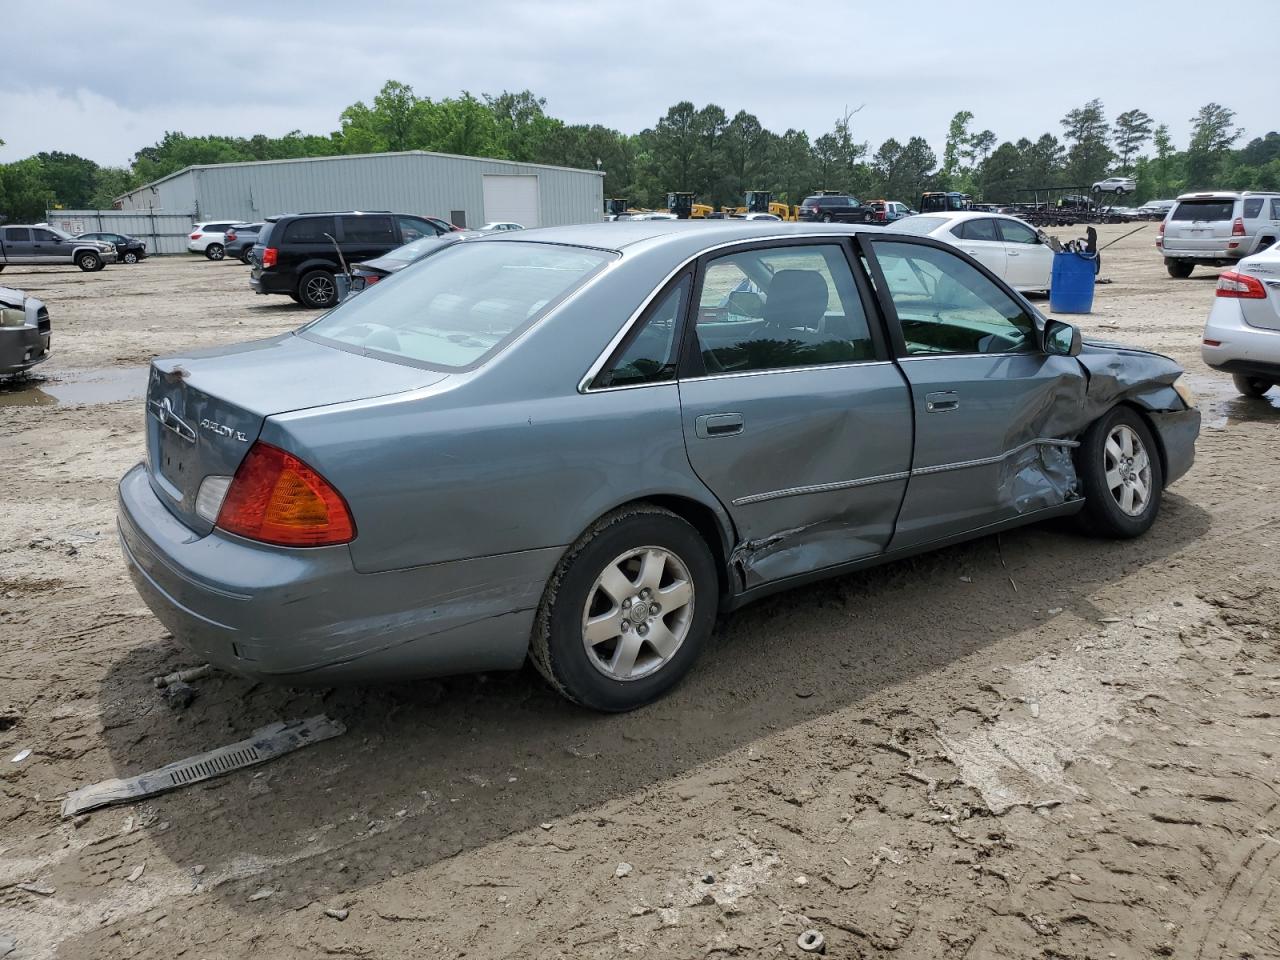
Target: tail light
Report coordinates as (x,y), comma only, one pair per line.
(196,236)
(269,256)
(370,279)
(1240,286)
(276,498)
(231,235)
(1237,227)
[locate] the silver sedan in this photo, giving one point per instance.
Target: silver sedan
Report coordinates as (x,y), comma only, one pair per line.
(579,446)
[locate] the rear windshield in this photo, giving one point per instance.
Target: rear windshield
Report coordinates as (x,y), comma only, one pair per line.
(458,308)
(918,225)
(1203,210)
(265,233)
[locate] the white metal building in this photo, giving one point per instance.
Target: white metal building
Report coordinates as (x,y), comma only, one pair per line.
(467,191)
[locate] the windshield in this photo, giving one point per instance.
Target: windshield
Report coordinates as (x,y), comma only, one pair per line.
(456,309)
(1204,210)
(416,248)
(919,225)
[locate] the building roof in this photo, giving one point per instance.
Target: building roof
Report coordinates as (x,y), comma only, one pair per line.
(352,156)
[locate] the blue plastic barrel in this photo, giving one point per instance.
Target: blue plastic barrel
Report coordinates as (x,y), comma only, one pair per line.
(1071,285)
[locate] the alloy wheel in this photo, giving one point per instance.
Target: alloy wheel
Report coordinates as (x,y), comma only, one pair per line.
(130,258)
(320,290)
(638,613)
(1128,469)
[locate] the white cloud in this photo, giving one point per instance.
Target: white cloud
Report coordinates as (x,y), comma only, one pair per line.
(104,81)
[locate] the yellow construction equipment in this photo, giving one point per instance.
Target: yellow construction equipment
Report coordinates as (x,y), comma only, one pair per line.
(681,204)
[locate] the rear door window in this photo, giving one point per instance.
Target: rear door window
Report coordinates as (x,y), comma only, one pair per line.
(984,228)
(368,229)
(781,307)
(310,230)
(1275,208)
(1206,210)
(17,234)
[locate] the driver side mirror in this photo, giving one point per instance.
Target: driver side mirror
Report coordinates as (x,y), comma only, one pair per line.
(1062,339)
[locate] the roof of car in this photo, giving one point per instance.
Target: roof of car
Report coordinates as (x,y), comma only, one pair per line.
(692,234)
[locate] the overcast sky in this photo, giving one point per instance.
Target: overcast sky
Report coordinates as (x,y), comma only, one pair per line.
(103,80)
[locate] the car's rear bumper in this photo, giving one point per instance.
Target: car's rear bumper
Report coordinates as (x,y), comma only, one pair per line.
(1216,254)
(268,281)
(21,348)
(1237,346)
(306,615)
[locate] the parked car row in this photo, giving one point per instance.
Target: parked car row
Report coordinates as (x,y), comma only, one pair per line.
(43,245)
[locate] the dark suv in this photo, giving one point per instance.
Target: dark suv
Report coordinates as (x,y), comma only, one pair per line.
(836,208)
(295,254)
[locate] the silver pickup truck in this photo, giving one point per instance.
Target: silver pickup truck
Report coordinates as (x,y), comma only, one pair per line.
(39,246)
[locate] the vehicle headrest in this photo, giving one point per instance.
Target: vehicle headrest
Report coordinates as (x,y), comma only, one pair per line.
(796,298)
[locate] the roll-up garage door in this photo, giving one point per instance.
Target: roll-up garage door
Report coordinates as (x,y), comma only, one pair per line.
(511,198)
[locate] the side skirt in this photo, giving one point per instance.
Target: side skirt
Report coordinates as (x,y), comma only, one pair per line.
(765,589)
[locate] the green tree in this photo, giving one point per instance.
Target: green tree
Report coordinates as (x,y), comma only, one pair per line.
(24,195)
(69,177)
(957,144)
(1213,131)
(1087,132)
(1132,131)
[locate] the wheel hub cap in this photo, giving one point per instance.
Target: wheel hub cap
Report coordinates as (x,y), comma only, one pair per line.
(638,613)
(1128,470)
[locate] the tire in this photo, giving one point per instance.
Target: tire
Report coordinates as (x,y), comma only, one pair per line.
(826,218)
(1248,386)
(89,262)
(867,218)
(317,289)
(1117,447)
(129,257)
(1178,269)
(656,554)
(215,251)
(245,257)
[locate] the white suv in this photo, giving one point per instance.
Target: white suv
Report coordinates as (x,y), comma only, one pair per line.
(1242,337)
(209,238)
(1217,229)
(1116,185)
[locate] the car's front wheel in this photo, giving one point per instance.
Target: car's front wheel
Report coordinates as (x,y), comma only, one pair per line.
(1179,269)
(247,257)
(1121,475)
(627,611)
(317,289)
(1251,386)
(89,262)
(214,251)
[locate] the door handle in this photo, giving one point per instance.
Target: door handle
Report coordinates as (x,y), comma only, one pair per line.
(942,401)
(718,425)
(1013,253)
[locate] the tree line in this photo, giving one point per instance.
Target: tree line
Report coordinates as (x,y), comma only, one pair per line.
(704,150)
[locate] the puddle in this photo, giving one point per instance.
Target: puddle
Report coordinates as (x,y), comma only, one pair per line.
(75,388)
(1221,405)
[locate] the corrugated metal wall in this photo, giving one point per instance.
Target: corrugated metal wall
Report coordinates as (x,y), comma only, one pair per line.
(164,232)
(421,183)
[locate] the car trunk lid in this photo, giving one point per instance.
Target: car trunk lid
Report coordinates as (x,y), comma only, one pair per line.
(1263,313)
(205,409)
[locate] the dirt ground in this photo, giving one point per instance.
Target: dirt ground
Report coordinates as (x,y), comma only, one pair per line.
(1037,746)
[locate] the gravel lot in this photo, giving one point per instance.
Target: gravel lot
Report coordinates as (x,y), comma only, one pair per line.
(1037,746)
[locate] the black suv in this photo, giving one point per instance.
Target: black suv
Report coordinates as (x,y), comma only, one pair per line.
(294,254)
(835,208)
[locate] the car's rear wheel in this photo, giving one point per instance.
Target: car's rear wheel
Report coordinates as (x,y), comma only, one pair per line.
(89,262)
(215,251)
(627,611)
(826,218)
(867,218)
(1120,471)
(317,289)
(1179,269)
(130,256)
(1251,386)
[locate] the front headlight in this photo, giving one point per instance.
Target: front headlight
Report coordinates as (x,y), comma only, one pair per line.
(1184,391)
(12,317)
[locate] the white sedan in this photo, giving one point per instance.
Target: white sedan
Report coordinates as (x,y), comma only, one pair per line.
(1011,249)
(1242,336)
